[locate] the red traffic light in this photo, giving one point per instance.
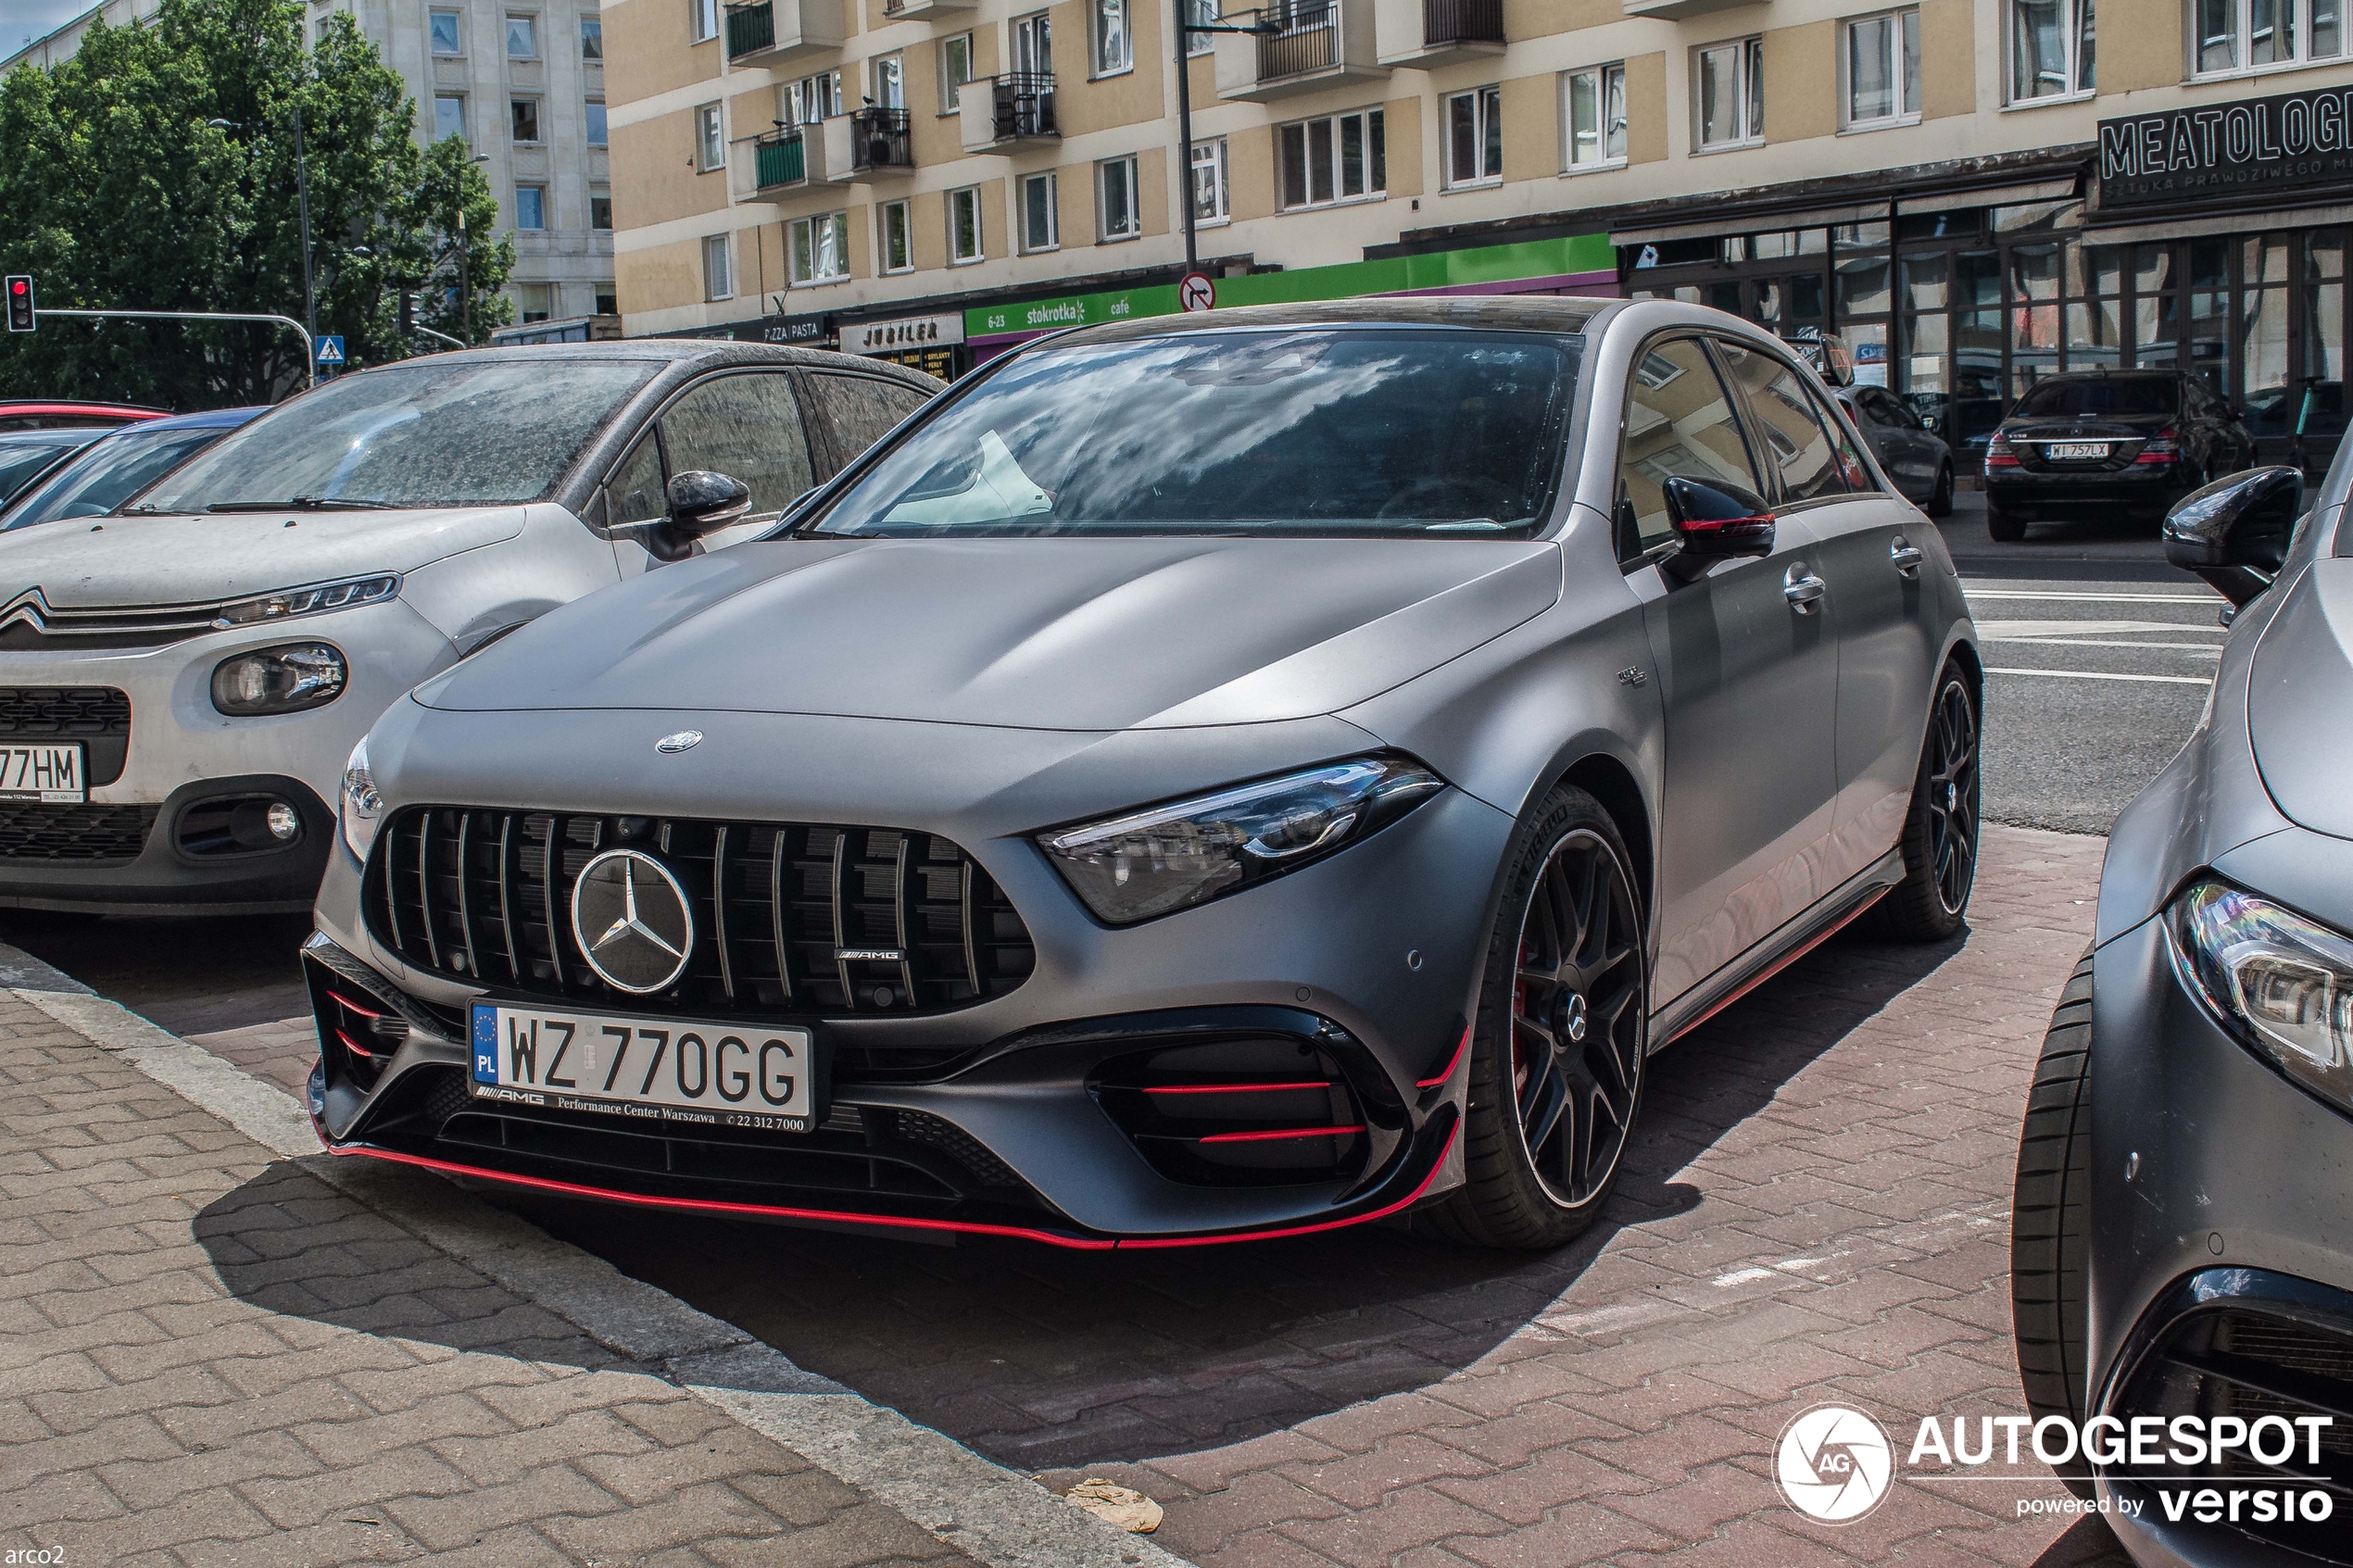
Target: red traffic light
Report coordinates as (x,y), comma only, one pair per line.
(20,319)
(20,286)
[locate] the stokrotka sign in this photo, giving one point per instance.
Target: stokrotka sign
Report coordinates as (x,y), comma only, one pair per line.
(2296,139)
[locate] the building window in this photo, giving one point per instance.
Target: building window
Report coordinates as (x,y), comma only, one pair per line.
(535,301)
(898,238)
(1210,201)
(601,206)
(522,37)
(1339,159)
(963,226)
(2235,35)
(1114,51)
(448,115)
(718,274)
(890,82)
(703,24)
(1034,45)
(592,40)
(1040,220)
(955,69)
(1594,107)
(812,98)
(448,33)
(710,140)
(526,112)
(1731,93)
(1116,209)
(821,248)
(597,132)
(607,299)
(1883,68)
(2051,49)
(1475,137)
(531,206)
(1201,12)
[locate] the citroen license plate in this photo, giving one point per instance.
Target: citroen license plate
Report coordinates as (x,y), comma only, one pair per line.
(51,773)
(2076,451)
(662,1068)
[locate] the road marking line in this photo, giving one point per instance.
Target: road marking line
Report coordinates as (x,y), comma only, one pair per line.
(2213,648)
(2094,598)
(2101,675)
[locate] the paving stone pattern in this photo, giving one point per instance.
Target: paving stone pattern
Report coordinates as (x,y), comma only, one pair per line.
(209,1356)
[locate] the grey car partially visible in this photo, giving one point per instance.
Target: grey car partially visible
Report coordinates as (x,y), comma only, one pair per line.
(1203,779)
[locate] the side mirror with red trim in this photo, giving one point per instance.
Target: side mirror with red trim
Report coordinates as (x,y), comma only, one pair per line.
(1713,521)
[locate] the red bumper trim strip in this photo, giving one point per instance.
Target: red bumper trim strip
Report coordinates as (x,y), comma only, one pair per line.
(1382,1213)
(1281,1132)
(1451,1062)
(1780,964)
(1232,1088)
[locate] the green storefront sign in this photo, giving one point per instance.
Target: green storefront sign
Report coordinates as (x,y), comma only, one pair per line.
(1452,268)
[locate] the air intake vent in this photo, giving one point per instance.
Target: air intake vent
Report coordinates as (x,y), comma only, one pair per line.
(1242,1113)
(790,918)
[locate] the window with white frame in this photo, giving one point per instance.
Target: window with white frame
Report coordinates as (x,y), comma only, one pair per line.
(1211,204)
(710,139)
(702,21)
(1731,93)
(889,79)
(448,32)
(531,206)
(1338,157)
(955,69)
(2051,49)
(898,247)
(448,115)
(523,36)
(2246,35)
(525,115)
(1593,117)
(1118,215)
(819,247)
(598,132)
(718,274)
(1115,50)
(1040,215)
(1475,137)
(812,98)
(1201,12)
(592,39)
(963,227)
(1883,68)
(601,206)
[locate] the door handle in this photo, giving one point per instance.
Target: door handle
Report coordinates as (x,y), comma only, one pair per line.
(1906,556)
(1803,589)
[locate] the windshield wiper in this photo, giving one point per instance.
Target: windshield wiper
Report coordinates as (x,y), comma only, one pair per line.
(299,504)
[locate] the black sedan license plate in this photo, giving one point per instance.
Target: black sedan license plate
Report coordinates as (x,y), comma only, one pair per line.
(663,1068)
(50,773)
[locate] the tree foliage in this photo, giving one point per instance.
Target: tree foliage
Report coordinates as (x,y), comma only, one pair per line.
(118,191)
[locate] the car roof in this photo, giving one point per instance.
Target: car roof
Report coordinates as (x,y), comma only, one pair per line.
(209,418)
(693,351)
(1536,313)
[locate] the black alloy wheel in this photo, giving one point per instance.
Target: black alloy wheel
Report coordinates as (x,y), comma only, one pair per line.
(1940,500)
(2007,527)
(1940,827)
(1557,1054)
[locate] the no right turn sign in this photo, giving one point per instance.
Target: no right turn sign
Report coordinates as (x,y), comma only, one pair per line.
(1198,291)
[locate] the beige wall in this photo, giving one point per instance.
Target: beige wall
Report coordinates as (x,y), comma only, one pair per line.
(1401,138)
(1801,85)
(1646,108)
(1250,170)
(646,52)
(654,180)
(1531,126)
(1949,60)
(2150,52)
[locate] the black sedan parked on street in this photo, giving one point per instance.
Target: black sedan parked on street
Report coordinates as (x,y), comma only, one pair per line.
(2096,442)
(2182,1241)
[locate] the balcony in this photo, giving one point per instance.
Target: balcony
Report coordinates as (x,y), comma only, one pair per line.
(912,11)
(1676,10)
(880,146)
(1000,111)
(780,161)
(1424,33)
(1308,45)
(770,31)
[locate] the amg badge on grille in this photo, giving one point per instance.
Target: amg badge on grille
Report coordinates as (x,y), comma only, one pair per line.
(632,920)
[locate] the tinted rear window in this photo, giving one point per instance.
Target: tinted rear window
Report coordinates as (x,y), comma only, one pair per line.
(2108,394)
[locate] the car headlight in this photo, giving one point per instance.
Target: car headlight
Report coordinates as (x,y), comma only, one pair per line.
(280,680)
(359,806)
(1172,857)
(317,600)
(2281,983)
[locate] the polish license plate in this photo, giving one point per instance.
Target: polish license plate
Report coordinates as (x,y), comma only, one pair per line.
(2076,451)
(50,773)
(662,1068)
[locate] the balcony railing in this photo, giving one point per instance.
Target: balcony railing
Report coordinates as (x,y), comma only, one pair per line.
(1306,38)
(779,158)
(750,28)
(1024,104)
(1461,21)
(878,141)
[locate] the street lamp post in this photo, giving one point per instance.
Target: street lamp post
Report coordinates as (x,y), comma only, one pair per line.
(1185,31)
(302,211)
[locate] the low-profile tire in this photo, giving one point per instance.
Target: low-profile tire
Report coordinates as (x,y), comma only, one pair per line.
(2007,528)
(2050,1222)
(1940,500)
(1941,823)
(1558,1044)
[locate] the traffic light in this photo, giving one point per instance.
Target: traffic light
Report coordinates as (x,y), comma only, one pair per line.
(407,314)
(20,304)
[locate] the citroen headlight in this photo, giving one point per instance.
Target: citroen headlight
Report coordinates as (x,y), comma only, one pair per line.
(278,680)
(359,806)
(317,600)
(2281,983)
(1172,857)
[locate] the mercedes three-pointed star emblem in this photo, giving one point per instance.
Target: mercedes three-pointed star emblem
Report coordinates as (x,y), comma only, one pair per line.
(632,920)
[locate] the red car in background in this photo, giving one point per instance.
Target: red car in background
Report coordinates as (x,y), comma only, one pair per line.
(60,414)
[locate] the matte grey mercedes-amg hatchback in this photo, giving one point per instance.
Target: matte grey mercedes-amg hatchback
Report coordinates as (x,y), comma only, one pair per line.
(1198,780)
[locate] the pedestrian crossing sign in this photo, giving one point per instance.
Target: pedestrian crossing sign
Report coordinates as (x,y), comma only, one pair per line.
(330,350)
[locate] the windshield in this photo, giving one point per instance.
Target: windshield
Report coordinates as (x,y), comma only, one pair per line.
(2118,395)
(419,434)
(1430,432)
(24,459)
(108,473)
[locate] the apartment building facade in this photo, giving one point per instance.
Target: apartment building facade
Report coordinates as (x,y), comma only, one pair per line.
(524,83)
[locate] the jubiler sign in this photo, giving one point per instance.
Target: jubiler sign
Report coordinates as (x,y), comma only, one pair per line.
(2296,139)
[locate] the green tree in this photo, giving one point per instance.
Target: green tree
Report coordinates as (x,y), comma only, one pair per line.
(119,189)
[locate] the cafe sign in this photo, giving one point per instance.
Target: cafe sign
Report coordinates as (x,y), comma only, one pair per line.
(2297,139)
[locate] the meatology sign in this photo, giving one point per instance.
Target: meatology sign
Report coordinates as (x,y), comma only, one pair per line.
(2296,139)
